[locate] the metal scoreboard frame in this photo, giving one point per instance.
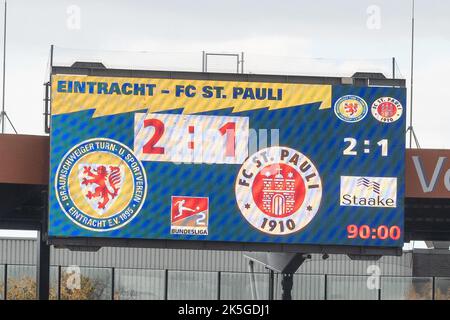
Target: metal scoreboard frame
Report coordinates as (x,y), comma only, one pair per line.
(359,80)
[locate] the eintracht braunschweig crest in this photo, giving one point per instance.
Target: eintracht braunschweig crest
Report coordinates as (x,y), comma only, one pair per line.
(100,185)
(278,190)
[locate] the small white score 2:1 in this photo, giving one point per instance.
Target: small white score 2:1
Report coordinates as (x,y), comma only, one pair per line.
(350,150)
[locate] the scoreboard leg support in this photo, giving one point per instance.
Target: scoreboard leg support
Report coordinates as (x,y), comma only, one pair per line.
(43,255)
(43,268)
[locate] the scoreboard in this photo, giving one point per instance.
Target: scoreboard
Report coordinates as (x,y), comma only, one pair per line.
(205,160)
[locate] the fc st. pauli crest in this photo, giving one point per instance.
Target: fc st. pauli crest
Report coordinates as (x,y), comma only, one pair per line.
(278,190)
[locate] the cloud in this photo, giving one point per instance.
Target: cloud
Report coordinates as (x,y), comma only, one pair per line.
(326,38)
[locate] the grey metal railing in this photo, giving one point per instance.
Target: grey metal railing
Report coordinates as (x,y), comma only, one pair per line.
(75,282)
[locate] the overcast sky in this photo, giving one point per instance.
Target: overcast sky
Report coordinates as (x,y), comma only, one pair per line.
(320,37)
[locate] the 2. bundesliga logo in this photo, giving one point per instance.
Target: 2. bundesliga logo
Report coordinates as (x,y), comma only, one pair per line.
(100,185)
(278,190)
(189,215)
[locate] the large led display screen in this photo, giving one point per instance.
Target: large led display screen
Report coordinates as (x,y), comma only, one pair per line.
(227,161)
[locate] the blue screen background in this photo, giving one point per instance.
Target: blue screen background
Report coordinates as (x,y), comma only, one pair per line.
(318,134)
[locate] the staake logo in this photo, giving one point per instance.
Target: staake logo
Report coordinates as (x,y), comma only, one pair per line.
(351,108)
(387,109)
(189,215)
(278,190)
(100,185)
(368,192)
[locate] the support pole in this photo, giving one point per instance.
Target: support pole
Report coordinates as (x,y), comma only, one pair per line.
(113,284)
(238,63)
(285,263)
(47,107)
(433,288)
(379,291)
(59,282)
(203,61)
(2,120)
(166,284)
(43,267)
(393,68)
(271,284)
(4,74)
(412,77)
(47,98)
(252,280)
(52,48)
(43,255)
(219,284)
(3,114)
(5,283)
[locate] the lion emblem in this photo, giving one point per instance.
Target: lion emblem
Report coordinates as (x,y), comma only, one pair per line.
(102,184)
